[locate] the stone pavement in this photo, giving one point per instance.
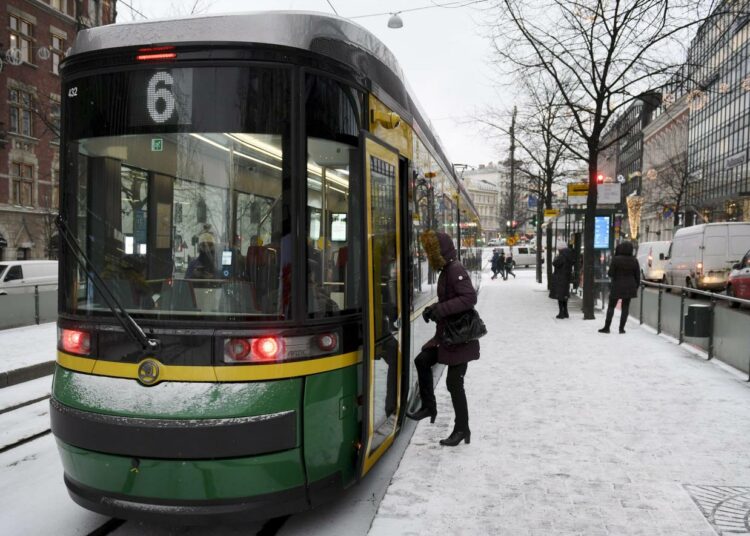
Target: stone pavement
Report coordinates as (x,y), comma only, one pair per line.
(578,433)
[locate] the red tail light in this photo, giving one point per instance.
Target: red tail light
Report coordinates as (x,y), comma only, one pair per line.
(75,341)
(266,348)
(156,53)
(237,349)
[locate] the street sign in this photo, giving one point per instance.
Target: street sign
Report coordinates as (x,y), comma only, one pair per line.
(577,193)
(551,213)
(608,193)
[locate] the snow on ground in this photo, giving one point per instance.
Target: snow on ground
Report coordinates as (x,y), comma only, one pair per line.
(28,345)
(573,432)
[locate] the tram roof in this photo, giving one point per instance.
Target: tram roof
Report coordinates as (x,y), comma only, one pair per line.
(304,30)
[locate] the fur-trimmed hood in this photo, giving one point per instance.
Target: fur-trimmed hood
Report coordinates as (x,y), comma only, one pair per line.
(439,248)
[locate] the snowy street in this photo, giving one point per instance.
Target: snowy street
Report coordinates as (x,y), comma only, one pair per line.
(573,433)
(577,433)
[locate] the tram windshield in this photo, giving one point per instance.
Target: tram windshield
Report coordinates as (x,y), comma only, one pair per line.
(181,191)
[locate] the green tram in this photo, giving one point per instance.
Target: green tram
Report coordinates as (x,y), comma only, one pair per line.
(241,278)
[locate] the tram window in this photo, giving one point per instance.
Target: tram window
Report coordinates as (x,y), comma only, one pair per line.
(333,120)
(195,230)
(332,252)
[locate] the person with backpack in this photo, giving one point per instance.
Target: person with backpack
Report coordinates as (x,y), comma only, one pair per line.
(494,263)
(456,295)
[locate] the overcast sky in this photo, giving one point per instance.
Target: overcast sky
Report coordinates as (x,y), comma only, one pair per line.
(441,51)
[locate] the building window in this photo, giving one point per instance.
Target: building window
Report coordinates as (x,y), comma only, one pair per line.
(22,177)
(58,45)
(21,37)
(54,119)
(59,5)
(20,112)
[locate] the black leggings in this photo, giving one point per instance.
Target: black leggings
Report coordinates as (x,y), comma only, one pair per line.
(611,311)
(455,383)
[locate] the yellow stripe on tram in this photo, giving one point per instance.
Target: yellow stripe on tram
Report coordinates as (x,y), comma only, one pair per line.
(233,373)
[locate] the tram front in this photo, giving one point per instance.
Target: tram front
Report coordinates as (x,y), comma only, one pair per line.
(210,319)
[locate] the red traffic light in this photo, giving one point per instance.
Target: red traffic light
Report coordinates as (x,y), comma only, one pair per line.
(599,178)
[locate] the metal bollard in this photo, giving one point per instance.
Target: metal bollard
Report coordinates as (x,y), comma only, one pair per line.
(658,313)
(682,316)
(36,303)
(711,333)
(640,314)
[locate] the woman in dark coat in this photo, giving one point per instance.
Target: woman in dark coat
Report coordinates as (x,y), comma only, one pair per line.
(561,279)
(456,294)
(625,277)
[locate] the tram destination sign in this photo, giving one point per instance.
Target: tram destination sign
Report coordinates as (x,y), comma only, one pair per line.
(162,97)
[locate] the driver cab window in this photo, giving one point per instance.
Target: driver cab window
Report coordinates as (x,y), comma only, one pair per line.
(15,273)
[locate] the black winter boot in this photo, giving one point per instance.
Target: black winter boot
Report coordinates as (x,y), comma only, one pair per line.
(423,413)
(561,307)
(456,437)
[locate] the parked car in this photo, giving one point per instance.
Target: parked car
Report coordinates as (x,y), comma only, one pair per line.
(522,255)
(702,256)
(651,257)
(739,280)
(492,242)
(19,277)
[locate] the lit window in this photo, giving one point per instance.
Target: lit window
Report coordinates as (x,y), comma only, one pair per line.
(21,36)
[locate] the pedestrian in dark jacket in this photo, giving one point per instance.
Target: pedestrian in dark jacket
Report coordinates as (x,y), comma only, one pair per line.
(562,278)
(509,265)
(494,263)
(456,295)
(625,277)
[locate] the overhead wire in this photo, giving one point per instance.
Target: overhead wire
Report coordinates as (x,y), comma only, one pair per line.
(333,8)
(433,5)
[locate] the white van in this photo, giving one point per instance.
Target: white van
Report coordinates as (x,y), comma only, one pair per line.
(651,258)
(19,277)
(522,255)
(702,256)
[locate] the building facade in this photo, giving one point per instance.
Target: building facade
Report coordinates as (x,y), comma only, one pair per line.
(37,35)
(665,169)
(485,185)
(718,79)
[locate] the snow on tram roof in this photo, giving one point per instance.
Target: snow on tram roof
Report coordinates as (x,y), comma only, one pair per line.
(298,29)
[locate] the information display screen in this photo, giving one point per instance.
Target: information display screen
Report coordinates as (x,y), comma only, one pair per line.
(602,225)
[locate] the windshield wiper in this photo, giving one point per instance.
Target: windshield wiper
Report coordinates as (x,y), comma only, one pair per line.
(130,326)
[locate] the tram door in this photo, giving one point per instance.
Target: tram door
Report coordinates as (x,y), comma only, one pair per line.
(383,309)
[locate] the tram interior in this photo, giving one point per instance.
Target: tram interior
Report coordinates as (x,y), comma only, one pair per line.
(199,223)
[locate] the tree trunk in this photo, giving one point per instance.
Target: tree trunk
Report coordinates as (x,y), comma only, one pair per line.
(539,216)
(588,238)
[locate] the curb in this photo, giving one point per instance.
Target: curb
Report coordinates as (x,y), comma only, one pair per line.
(25,374)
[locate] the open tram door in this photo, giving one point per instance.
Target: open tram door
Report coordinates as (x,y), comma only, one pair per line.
(382,311)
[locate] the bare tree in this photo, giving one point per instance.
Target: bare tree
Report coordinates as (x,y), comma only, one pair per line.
(542,135)
(600,56)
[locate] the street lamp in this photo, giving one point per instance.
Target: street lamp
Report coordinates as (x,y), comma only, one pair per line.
(395,21)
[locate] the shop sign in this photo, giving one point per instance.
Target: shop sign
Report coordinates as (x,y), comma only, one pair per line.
(735,160)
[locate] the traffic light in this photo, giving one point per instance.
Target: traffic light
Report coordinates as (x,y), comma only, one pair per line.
(599,178)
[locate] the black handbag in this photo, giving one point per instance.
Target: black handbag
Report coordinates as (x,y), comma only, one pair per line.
(463,327)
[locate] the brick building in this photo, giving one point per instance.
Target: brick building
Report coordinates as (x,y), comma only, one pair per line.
(36,36)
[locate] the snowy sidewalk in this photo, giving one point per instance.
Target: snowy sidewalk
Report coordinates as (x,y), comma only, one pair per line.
(576,432)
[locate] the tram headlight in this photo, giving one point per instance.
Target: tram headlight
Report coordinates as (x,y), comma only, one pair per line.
(267,349)
(74,341)
(237,350)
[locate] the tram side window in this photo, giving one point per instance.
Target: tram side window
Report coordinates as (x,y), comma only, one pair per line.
(333,228)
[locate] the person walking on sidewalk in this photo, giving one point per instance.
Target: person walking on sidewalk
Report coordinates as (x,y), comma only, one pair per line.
(509,265)
(494,263)
(562,278)
(625,277)
(456,294)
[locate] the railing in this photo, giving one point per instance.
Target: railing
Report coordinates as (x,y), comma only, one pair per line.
(729,334)
(27,307)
